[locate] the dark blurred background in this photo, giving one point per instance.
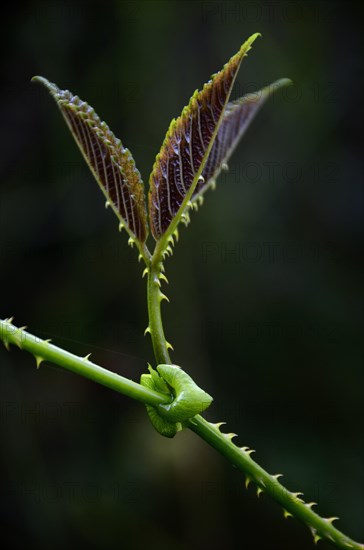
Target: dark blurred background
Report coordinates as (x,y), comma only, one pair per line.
(265,285)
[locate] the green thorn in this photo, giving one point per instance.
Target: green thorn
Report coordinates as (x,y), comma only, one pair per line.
(331,520)
(287,514)
(147,331)
(7,345)
(316,537)
(163,277)
(218,425)
(38,360)
(247,482)
(163,297)
(247,450)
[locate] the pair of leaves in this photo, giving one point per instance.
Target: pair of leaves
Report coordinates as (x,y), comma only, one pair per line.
(194,150)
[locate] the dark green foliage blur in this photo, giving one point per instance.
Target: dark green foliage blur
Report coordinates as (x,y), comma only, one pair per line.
(265,284)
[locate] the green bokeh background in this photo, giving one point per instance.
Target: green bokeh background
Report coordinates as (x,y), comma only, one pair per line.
(265,285)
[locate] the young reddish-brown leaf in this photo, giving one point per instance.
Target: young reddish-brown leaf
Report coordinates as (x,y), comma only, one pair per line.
(111,164)
(237,117)
(186,147)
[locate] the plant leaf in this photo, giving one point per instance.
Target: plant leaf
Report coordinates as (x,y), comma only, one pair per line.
(111,164)
(186,147)
(237,117)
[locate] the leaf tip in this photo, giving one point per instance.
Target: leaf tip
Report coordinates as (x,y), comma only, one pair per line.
(285,82)
(280,83)
(255,36)
(246,46)
(41,80)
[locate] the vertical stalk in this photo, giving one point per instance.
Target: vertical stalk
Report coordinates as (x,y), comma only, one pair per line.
(155,297)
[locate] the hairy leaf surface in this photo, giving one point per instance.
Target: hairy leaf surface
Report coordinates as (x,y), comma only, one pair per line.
(111,164)
(186,147)
(237,117)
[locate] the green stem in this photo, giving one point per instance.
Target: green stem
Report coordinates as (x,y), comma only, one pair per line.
(292,504)
(321,528)
(43,350)
(155,297)
(144,252)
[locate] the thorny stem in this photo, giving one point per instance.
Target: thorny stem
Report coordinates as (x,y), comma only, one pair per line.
(43,350)
(144,252)
(292,503)
(155,298)
(239,457)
